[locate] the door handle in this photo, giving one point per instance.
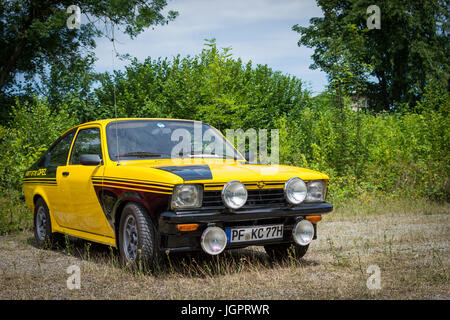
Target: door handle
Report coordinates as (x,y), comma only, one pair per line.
(65,173)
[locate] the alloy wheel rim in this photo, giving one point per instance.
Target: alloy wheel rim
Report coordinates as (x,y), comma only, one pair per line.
(130,239)
(41,222)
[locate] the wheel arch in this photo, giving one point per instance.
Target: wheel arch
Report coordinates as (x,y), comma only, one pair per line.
(122,201)
(36,197)
(40,194)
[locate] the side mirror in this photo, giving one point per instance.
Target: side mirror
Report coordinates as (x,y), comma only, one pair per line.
(90,159)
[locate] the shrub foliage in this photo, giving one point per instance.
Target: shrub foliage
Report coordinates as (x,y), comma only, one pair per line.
(365,153)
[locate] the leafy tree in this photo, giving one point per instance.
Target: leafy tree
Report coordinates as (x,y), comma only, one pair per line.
(67,84)
(410,49)
(211,86)
(34,33)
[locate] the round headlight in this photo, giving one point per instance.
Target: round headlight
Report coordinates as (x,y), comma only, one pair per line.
(234,194)
(213,240)
(295,190)
(303,232)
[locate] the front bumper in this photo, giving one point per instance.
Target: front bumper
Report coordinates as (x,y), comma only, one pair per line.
(174,240)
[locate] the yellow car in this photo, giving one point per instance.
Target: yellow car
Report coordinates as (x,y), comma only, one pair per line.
(147,186)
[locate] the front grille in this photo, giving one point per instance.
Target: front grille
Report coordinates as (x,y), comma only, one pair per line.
(212,199)
(256,198)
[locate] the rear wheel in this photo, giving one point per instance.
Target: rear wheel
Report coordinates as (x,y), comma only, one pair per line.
(137,238)
(285,250)
(43,226)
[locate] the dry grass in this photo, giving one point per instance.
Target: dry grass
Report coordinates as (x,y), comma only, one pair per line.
(410,244)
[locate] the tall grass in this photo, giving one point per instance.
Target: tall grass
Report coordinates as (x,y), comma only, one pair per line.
(14,215)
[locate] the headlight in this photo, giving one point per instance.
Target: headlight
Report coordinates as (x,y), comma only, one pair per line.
(303,232)
(187,196)
(316,191)
(213,240)
(234,194)
(295,190)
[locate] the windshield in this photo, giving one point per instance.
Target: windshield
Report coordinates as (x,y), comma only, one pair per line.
(165,139)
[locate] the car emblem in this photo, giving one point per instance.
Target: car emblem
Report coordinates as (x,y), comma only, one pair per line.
(260,184)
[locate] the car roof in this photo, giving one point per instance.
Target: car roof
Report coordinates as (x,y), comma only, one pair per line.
(104,122)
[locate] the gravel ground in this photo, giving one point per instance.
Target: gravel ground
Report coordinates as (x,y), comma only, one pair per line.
(412,252)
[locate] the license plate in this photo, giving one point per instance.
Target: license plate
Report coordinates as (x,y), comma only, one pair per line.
(254,233)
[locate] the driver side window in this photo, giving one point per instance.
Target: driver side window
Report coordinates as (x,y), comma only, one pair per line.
(57,155)
(87,142)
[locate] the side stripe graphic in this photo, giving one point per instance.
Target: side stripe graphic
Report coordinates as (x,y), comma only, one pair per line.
(43,181)
(132,185)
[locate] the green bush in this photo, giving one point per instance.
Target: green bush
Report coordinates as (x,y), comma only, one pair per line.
(31,130)
(212,87)
(403,154)
(14,215)
(366,155)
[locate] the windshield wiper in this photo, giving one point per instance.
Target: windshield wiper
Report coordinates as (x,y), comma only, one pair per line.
(141,154)
(192,154)
(215,155)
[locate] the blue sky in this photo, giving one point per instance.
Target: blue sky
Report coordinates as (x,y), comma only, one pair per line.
(257,30)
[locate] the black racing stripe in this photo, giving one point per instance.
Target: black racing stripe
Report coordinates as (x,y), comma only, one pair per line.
(198,172)
(131,181)
(106,177)
(142,183)
(246,183)
(43,183)
(137,186)
(39,181)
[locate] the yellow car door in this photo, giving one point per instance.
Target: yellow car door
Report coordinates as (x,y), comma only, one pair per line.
(56,164)
(86,213)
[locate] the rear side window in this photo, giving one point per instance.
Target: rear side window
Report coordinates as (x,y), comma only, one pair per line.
(87,142)
(57,156)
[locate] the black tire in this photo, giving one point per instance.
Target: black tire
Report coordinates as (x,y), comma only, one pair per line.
(282,251)
(43,233)
(148,255)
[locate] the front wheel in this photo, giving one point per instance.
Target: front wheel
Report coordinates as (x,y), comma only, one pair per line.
(282,251)
(137,238)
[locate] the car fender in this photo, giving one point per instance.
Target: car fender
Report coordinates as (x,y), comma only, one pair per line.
(121,201)
(40,192)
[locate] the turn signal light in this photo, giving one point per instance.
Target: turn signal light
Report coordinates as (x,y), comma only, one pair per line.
(313,219)
(187,227)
